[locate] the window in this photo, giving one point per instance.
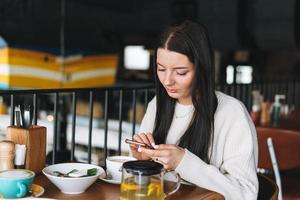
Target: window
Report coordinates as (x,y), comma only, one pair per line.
(241,74)
(136,58)
(244,74)
(229,74)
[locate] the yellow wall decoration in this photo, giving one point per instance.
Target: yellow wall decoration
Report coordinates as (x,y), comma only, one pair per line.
(21,68)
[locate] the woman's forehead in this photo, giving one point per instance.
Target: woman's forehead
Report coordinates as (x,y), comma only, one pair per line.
(168,58)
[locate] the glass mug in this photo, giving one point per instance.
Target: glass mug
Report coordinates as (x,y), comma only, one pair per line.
(144,180)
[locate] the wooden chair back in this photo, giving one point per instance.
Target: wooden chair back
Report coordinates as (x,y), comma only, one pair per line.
(286,145)
(268,189)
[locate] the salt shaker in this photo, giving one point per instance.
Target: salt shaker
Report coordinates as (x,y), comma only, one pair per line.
(7,153)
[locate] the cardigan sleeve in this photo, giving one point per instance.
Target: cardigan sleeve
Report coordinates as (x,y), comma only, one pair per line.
(235,146)
(148,121)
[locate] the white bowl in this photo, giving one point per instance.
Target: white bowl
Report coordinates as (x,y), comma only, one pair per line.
(70,185)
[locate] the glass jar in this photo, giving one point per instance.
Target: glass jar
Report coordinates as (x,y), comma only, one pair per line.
(144,180)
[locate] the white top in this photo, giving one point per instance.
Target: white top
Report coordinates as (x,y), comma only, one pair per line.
(232,168)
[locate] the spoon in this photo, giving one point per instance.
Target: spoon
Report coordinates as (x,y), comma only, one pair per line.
(106,175)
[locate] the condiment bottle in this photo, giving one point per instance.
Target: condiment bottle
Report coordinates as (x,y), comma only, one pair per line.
(20,154)
(3,107)
(255,114)
(265,114)
(275,115)
(7,153)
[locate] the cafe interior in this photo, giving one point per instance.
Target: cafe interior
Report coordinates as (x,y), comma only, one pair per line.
(76,77)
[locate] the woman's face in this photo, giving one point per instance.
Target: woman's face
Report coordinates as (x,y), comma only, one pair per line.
(175,72)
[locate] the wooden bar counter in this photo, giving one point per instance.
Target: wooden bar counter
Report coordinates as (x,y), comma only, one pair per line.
(106,191)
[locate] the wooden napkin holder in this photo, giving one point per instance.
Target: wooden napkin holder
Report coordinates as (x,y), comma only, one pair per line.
(35,140)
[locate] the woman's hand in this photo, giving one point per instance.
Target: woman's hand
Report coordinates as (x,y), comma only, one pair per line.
(169,155)
(146,138)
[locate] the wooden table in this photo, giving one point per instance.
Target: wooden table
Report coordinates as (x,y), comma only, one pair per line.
(106,191)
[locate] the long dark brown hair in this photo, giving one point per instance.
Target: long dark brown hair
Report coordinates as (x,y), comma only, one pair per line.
(192,40)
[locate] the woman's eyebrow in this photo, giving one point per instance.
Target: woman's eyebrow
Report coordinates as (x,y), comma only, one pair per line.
(179,67)
(160,65)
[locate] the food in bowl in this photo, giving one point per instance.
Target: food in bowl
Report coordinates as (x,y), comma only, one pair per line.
(75,173)
(72,185)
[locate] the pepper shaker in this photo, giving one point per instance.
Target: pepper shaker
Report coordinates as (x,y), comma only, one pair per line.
(7,153)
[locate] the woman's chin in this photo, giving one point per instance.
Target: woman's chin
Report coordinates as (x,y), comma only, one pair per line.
(174,95)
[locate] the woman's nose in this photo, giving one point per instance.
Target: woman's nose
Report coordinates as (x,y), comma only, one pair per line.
(168,79)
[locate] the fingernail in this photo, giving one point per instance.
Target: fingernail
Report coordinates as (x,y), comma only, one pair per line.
(139,149)
(153,144)
(156,146)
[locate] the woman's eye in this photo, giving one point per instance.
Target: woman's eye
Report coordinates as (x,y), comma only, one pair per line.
(181,73)
(161,70)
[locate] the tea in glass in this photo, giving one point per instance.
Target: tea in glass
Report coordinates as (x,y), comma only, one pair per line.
(150,190)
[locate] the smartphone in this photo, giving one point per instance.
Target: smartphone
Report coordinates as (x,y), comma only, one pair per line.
(128,141)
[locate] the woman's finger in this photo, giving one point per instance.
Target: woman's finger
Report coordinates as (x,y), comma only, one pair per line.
(167,146)
(155,153)
(133,146)
(150,138)
(144,138)
(137,138)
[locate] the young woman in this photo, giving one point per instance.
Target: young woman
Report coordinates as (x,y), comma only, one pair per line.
(204,135)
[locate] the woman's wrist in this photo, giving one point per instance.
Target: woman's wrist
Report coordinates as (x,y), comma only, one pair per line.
(181,159)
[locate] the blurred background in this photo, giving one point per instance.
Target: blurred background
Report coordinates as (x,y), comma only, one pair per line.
(109,45)
(254,40)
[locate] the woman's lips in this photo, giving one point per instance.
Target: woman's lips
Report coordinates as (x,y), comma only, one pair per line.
(172,90)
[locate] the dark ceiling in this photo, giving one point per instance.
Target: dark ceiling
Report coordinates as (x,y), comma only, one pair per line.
(105,26)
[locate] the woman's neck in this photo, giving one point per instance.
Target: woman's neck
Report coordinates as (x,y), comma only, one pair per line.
(185,101)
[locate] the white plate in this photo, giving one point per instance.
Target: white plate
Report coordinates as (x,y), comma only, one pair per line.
(112,181)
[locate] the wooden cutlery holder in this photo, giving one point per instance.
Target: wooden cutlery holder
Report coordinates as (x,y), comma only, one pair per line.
(35,140)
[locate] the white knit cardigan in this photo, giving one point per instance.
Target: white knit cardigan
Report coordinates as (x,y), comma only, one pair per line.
(234,154)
